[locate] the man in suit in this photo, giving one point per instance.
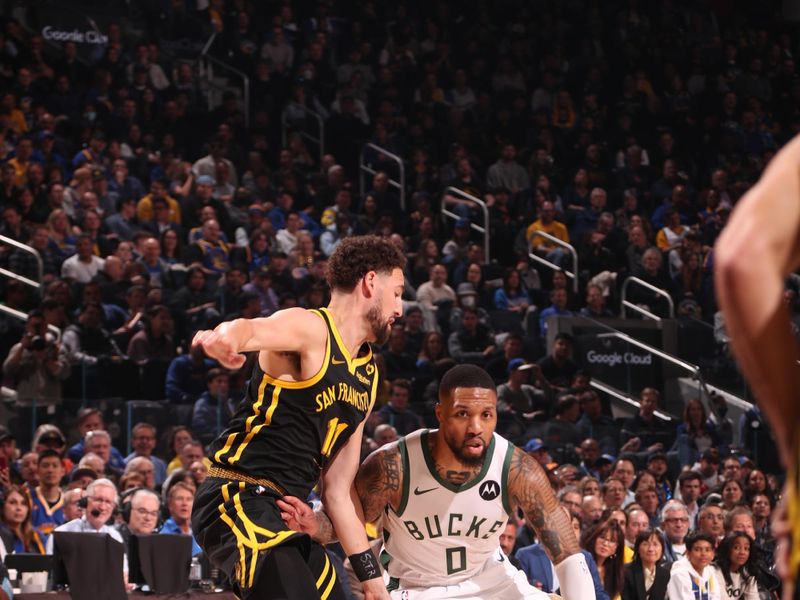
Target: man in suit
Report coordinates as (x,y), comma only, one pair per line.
(537,566)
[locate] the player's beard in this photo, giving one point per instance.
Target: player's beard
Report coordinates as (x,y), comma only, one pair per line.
(380,329)
(457,448)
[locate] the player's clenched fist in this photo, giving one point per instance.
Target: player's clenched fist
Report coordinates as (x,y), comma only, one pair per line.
(219,347)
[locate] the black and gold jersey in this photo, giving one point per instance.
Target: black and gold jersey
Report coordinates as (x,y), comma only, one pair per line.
(287,431)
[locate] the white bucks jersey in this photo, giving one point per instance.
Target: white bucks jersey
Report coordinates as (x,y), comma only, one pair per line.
(443,532)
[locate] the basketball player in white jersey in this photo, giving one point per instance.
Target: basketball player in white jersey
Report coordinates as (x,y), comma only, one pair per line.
(445,496)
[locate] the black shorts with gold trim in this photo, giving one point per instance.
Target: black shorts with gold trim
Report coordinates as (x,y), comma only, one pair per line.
(238,523)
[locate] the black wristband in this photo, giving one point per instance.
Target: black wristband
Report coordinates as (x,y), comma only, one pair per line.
(364,565)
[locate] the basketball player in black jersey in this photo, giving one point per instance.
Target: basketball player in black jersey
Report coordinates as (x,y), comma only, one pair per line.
(757,250)
(311,389)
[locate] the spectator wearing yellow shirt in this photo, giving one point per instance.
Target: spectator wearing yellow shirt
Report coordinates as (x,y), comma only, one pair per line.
(16,117)
(670,236)
(158,189)
(22,160)
(547,223)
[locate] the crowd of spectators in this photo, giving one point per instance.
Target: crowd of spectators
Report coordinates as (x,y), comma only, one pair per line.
(626,129)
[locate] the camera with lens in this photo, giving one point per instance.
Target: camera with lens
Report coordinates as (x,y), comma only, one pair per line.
(38,343)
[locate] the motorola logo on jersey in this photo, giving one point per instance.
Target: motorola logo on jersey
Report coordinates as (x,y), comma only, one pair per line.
(489,490)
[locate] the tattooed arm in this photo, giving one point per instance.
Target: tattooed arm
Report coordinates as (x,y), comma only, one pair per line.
(377,484)
(529,489)
(379,481)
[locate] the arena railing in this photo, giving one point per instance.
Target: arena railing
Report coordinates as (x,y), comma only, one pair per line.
(656,290)
(25,248)
(483,230)
(23,316)
(541,260)
(625,399)
(285,126)
(693,369)
(696,385)
(364,168)
(208,61)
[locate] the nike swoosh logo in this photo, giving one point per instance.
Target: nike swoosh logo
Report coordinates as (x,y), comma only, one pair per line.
(502,557)
(336,361)
(419,492)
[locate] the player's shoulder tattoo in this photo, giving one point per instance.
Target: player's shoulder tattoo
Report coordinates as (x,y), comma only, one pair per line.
(529,489)
(525,475)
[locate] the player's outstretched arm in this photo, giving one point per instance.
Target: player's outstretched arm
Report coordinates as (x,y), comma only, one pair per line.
(290,330)
(758,248)
(344,509)
(529,489)
(378,483)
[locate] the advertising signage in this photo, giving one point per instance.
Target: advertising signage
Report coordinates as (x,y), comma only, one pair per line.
(615,362)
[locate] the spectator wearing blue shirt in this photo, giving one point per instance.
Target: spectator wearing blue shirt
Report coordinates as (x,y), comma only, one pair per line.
(91,419)
(143,441)
(586,220)
(123,184)
(93,154)
(214,407)
(558,306)
(179,503)
(186,376)
(512,296)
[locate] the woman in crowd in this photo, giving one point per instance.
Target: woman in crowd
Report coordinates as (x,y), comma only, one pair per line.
(62,240)
(695,433)
(735,567)
(646,577)
(304,254)
(761,505)
(16,517)
(80,183)
(369,217)
(589,486)
(576,195)
(690,280)
(474,275)
(432,353)
(756,483)
(178,437)
(171,247)
(427,256)
(732,494)
(257,251)
(512,296)
(644,479)
(606,543)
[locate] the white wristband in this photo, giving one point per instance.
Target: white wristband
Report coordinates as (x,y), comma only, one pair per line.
(575,578)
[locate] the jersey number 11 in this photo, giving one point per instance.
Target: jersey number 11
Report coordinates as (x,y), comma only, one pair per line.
(335,429)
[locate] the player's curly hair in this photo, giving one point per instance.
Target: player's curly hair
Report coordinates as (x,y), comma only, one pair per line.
(356,256)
